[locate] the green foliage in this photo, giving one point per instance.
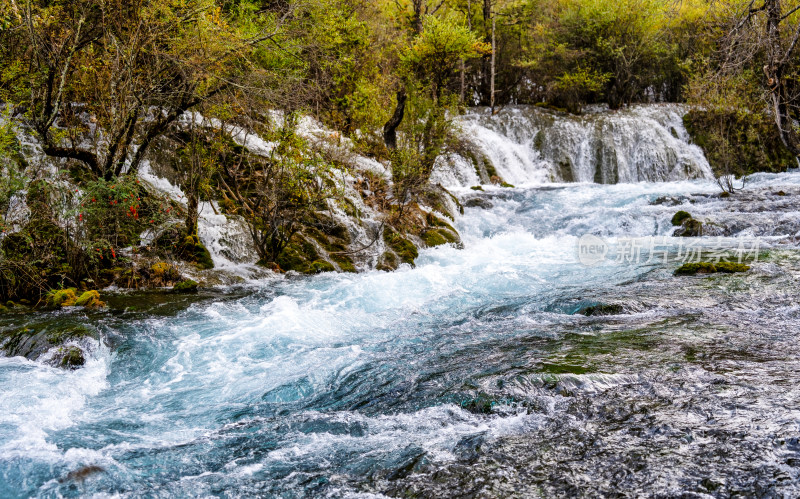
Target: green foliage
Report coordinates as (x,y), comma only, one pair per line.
(738,142)
(584,51)
(435,53)
(428,131)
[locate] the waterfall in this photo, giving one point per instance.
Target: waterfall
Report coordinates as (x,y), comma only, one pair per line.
(530,145)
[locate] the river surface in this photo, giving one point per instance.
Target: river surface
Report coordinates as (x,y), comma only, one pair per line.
(470,375)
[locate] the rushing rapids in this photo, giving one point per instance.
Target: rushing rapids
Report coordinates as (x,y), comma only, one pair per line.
(506,368)
(470,374)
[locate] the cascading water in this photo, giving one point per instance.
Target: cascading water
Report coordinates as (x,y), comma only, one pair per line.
(470,374)
(528,145)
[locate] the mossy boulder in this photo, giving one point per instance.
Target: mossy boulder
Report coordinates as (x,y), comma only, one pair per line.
(438,237)
(319,266)
(193,251)
(34,341)
(58,298)
(433,238)
(689,228)
(402,246)
(333,238)
(710,268)
(90,299)
(388,262)
(302,256)
(680,217)
(696,268)
(185,286)
(480,404)
(69,358)
(477,188)
(159,269)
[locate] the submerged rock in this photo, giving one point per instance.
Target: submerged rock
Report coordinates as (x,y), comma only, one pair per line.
(34,343)
(601,309)
(69,358)
(81,474)
(479,203)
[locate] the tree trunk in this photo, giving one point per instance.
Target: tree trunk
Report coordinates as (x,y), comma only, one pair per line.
(463,64)
(390,128)
(192,214)
(494,59)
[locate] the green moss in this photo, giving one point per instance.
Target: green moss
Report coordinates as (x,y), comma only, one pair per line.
(90,299)
(711,268)
(61,298)
(435,221)
(679,217)
(193,251)
(319,266)
(564,368)
(476,188)
(433,238)
(301,256)
(388,262)
(490,169)
(690,228)
(72,358)
(404,248)
(731,267)
(187,286)
(344,262)
(696,268)
(538,140)
(62,334)
(506,184)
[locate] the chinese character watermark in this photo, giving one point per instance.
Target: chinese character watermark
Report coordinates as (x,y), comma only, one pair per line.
(594,250)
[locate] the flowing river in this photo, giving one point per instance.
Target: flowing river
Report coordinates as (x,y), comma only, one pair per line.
(469,375)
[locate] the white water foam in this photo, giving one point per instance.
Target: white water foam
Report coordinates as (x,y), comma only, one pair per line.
(527,146)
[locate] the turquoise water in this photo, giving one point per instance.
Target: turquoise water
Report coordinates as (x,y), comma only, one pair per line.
(469,372)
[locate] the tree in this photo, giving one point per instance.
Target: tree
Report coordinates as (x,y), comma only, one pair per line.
(107,78)
(277,193)
(769,32)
